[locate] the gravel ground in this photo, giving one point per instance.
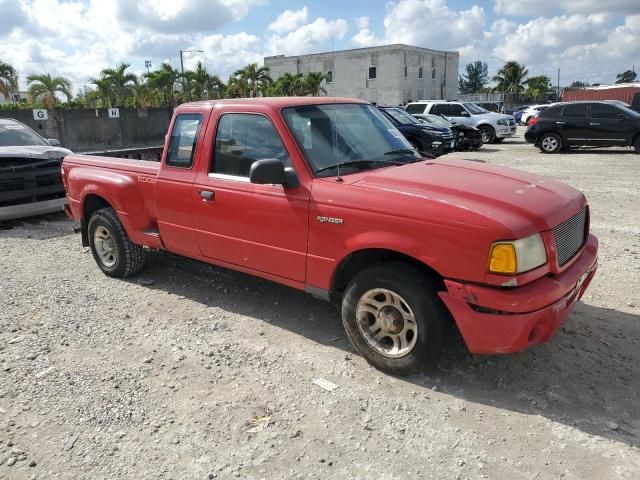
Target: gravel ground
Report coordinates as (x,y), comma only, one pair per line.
(195,372)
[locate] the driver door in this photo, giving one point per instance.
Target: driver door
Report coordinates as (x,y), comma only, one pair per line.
(257,227)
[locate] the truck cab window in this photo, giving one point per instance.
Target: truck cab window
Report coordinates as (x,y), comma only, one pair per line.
(184,137)
(242,139)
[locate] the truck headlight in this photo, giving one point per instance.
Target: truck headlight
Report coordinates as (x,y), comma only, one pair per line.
(517,256)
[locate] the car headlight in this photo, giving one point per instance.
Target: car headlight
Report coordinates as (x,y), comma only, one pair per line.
(503,122)
(518,256)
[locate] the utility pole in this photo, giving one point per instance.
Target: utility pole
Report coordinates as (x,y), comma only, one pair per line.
(184,86)
(147,65)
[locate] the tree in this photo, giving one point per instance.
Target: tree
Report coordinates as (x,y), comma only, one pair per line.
(538,86)
(163,81)
(201,85)
(313,83)
(477,77)
(44,88)
(104,92)
(254,78)
(579,84)
(121,82)
(626,77)
(288,85)
(510,79)
(8,80)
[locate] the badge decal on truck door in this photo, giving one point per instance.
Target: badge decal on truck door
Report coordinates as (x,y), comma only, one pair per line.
(146,179)
(337,221)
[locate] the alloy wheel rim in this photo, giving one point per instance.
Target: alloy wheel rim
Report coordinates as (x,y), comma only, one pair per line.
(105,246)
(549,144)
(387,323)
(486,135)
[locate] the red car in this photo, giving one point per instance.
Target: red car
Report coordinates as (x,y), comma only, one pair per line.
(326,196)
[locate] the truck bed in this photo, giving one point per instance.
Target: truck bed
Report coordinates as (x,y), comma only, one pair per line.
(147,167)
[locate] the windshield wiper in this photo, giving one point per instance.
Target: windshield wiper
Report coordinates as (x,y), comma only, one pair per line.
(400,150)
(359,163)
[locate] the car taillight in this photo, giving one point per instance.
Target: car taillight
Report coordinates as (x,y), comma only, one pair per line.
(532,121)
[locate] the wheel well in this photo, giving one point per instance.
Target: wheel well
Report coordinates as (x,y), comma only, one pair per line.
(92,203)
(358,261)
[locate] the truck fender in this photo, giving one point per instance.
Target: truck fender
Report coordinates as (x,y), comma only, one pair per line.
(120,190)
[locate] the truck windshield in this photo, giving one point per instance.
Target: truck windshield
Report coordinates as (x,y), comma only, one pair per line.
(14,134)
(402,116)
(354,136)
(475,109)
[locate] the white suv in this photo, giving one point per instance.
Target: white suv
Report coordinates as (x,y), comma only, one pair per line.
(494,127)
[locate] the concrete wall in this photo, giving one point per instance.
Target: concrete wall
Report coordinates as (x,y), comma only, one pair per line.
(390,87)
(91,130)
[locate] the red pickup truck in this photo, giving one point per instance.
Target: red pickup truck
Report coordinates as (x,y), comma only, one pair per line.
(326,196)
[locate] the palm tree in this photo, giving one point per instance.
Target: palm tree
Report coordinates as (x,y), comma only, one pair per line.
(104,91)
(312,83)
(43,88)
(8,80)
(236,87)
(163,80)
(143,96)
(288,85)
(256,78)
(197,83)
(121,82)
(511,79)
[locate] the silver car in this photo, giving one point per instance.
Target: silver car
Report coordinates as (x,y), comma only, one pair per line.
(30,177)
(494,127)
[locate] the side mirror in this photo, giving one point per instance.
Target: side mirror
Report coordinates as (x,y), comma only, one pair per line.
(271,171)
(53,142)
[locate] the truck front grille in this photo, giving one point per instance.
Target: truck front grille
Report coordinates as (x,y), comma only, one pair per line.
(29,180)
(570,235)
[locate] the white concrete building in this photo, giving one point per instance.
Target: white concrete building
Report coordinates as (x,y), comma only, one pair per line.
(387,75)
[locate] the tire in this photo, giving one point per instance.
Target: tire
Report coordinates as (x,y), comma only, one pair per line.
(115,254)
(401,292)
(488,133)
(550,143)
(636,144)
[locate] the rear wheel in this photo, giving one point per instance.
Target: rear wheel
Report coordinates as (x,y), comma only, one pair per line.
(550,143)
(488,133)
(115,254)
(394,318)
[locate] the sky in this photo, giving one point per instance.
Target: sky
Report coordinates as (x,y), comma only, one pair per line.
(589,40)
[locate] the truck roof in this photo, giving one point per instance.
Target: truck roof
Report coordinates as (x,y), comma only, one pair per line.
(276,102)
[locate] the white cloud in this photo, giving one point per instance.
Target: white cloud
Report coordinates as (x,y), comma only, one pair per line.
(289,20)
(365,37)
(534,8)
(362,22)
(308,38)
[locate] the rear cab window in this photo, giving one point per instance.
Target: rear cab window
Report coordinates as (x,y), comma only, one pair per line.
(184,138)
(241,140)
(440,109)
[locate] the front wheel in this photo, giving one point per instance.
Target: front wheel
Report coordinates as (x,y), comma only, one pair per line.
(394,318)
(550,143)
(488,133)
(115,254)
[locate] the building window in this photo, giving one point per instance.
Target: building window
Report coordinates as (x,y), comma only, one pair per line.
(420,72)
(405,71)
(329,76)
(372,73)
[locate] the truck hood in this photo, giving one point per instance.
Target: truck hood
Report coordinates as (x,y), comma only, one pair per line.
(35,151)
(522,202)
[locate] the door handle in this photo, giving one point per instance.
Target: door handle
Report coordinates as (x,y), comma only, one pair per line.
(560,123)
(207,195)
(593,124)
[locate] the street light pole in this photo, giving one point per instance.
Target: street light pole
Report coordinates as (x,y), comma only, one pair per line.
(504,81)
(184,85)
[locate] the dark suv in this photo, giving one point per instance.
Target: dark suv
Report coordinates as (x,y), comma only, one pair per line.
(592,124)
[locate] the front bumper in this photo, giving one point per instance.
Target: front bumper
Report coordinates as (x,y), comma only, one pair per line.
(505,320)
(530,137)
(32,209)
(504,132)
